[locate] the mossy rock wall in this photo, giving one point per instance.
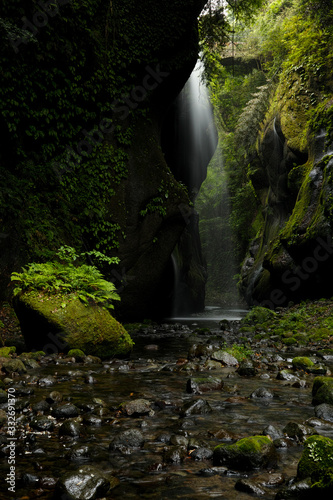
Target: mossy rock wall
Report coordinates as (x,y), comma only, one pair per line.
(293,250)
(84,98)
(60,323)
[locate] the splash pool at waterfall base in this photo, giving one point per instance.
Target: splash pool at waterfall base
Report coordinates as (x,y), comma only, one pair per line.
(149,393)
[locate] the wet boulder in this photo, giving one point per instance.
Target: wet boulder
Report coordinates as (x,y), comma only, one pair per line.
(273,432)
(246,368)
(262,393)
(197,407)
(174,454)
(249,486)
(324,411)
(65,410)
(127,441)
(298,432)
(295,489)
(287,376)
(322,390)
(42,423)
(200,351)
(47,381)
(137,407)
(79,453)
(71,427)
(246,454)
(198,385)
(86,483)
(224,357)
(202,454)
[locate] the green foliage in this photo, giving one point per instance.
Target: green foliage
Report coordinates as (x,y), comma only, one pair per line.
(290,42)
(240,351)
(64,279)
(301,324)
(155,205)
(61,171)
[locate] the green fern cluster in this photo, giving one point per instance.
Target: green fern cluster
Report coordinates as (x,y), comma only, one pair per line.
(55,278)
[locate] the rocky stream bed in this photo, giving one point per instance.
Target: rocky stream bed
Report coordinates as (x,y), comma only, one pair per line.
(151,426)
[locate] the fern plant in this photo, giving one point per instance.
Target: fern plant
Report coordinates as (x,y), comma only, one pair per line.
(64,278)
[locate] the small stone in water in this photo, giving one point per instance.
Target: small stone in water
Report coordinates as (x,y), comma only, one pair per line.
(262,392)
(66,410)
(47,381)
(70,427)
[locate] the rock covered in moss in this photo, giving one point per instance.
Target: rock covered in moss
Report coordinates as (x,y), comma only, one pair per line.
(9,365)
(49,324)
(5,352)
(249,453)
(302,363)
(306,364)
(322,390)
(317,456)
(77,354)
(258,316)
(36,355)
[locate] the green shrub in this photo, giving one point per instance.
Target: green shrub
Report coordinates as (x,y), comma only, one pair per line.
(63,278)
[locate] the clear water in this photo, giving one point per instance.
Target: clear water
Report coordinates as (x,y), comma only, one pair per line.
(156,372)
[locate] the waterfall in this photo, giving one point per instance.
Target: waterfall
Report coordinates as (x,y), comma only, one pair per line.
(202,131)
(189,136)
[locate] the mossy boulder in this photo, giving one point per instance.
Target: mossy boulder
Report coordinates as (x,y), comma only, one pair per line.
(303,363)
(249,453)
(36,355)
(258,316)
(54,325)
(9,365)
(317,456)
(77,354)
(322,390)
(5,352)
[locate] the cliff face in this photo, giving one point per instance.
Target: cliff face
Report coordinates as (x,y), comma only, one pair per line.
(292,257)
(86,88)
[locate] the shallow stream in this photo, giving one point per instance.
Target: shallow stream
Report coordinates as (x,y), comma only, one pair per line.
(158,371)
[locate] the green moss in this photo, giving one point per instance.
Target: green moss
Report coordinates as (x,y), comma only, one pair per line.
(289,341)
(258,316)
(89,328)
(322,390)
(317,456)
(7,351)
(253,444)
(302,363)
(247,453)
(37,355)
(322,484)
(76,353)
